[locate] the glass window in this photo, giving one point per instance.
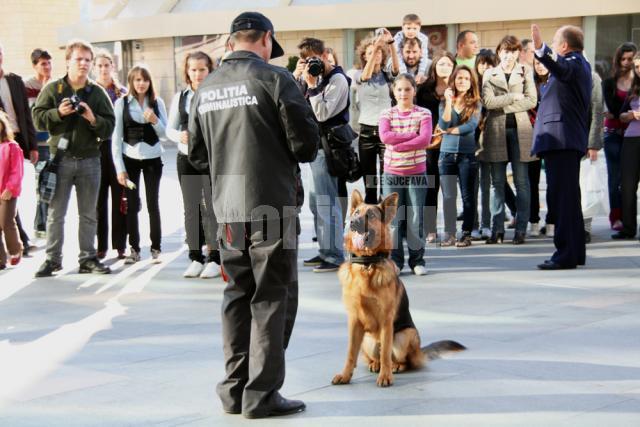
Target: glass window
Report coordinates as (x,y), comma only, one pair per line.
(611,32)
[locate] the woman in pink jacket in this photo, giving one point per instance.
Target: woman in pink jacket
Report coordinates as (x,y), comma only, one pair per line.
(11,173)
(406,131)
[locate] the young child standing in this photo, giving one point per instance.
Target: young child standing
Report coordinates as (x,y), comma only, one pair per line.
(406,131)
(410,30)
(11,172)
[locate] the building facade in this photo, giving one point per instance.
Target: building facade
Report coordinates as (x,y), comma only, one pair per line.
(160,32)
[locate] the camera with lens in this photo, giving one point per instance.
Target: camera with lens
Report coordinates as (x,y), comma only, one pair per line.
(75,103)
(316,66)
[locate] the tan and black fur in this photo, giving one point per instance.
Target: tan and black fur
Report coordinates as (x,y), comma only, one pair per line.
(376,301)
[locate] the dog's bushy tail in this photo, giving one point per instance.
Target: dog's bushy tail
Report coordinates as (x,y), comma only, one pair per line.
(436,349)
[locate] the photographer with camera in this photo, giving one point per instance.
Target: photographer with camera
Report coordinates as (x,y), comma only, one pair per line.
(328,93)
(78,115)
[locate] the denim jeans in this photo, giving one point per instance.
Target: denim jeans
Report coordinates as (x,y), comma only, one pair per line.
(84,174)
(521,179)
(412,191)
(40,222)
(612,151)
(327,210)
(482,219)
(465,167)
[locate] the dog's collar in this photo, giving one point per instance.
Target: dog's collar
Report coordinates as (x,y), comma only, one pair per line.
(368,260)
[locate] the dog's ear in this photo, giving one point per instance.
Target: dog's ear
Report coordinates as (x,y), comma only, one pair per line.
(356,200)
(389,207)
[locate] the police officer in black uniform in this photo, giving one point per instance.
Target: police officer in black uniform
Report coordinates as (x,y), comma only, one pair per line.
(250,125)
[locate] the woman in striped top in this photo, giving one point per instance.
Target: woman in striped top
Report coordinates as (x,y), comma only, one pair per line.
(406,131)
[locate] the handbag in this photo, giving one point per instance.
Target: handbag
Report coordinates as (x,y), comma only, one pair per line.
(342,160)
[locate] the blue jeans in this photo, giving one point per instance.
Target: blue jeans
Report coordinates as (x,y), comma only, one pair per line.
(483,185)
(612,150)
(521,179)
(84,174)
(40,222)
(327,211)
(412,191)
(453,166)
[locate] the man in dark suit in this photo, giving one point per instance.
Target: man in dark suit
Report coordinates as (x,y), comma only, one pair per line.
(13,101)
(560,138)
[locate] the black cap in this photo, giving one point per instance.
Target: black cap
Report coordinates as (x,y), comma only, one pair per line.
(257,21)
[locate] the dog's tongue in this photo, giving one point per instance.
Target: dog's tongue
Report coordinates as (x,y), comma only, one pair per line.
(357,240)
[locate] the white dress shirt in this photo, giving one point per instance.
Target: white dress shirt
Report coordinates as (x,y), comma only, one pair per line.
(173,125)
(141,150)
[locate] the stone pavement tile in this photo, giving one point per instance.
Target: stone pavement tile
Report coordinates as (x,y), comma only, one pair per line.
(619,414)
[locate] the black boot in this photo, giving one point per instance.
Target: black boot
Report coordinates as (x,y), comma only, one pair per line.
(495,238)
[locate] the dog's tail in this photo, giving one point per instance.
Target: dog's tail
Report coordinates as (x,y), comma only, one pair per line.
(436,349)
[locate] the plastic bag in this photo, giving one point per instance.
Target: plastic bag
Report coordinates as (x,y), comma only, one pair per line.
(593,186)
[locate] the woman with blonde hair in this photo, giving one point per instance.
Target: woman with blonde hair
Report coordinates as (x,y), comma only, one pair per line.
(372,98)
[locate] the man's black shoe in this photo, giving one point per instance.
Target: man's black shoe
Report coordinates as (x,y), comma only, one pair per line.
(48,268)
(312,262)
(621,235)
(326,267)
(280,408)
(550,265)
(93,266)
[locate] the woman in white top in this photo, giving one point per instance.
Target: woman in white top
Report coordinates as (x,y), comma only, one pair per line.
(141,119)
(199,219)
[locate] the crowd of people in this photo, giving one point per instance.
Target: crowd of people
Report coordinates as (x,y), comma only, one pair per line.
(425,123)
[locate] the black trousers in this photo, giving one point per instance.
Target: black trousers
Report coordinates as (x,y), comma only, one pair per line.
(433,186)
(630,174)
(563,195)
(371,152)
(152,171)
(258,310)
(199,219)
(109,185)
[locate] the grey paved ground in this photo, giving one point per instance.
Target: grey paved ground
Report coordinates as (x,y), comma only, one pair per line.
(142,347)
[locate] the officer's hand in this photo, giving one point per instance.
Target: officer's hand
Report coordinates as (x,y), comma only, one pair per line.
(150,116)
(88,114)
(299,68)
(65,108)
(593,154)
(33,156)
(122,178)
(184,137)
(535,36)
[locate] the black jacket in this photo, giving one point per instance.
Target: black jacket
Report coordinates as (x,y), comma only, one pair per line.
(249,126)
(613,103)
(23,113)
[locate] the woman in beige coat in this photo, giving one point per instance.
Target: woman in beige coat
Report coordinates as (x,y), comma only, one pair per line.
(508,91)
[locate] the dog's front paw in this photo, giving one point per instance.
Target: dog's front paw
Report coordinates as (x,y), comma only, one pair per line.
(341,379)
(399,367)
(384,379)
(374,366)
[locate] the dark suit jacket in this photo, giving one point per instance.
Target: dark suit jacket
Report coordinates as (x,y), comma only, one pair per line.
(563,115)
(23,113)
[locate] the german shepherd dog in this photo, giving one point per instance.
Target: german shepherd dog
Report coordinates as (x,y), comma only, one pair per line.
(376,301)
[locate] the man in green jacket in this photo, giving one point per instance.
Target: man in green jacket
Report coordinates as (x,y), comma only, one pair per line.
(78,115)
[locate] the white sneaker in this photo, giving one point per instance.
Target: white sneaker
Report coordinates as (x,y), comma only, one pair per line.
(486,233)
(211,270)
(550,230)
(475,234)
(534,229)
(155,256)
(419,270)
(194,269)
(132,258)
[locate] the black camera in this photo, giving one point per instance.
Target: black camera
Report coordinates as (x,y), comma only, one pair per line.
(75,103)
(316,66)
